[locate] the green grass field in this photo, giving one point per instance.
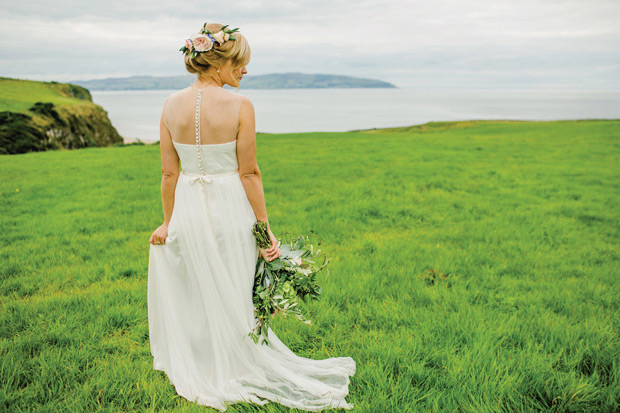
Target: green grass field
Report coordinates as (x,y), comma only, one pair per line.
(474,268)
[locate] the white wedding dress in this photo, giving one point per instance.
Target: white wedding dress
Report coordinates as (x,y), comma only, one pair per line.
(200,281)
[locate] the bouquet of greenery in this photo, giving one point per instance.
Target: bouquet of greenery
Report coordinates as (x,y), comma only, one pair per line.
(279,284)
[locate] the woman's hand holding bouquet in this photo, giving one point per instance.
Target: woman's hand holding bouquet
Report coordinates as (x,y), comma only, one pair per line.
(271,252)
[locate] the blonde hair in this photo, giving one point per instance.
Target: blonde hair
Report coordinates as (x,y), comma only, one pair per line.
(236,50)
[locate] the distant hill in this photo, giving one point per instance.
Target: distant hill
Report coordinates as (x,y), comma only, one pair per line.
(269,81)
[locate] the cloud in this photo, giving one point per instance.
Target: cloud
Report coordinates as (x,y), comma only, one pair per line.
(407,42)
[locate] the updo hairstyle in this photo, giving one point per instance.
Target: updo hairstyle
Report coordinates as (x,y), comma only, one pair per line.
(237,50)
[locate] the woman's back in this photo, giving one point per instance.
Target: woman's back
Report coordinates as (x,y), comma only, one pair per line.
(219,115)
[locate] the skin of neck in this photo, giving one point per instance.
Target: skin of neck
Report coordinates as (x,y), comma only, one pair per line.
(225,76)
(211,77)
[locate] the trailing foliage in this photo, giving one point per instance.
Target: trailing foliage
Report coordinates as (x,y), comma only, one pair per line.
(278,284)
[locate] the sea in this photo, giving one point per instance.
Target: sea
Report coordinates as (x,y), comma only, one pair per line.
(136,114)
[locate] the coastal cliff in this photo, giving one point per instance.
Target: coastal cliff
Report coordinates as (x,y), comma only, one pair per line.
(40,116)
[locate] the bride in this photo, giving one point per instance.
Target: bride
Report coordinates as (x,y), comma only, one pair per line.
(202,259)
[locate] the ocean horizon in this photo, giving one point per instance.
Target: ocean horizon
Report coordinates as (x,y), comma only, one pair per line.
(136,113)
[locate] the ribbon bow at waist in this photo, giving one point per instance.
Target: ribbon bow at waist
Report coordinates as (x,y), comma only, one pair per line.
(193,178)
(200,178)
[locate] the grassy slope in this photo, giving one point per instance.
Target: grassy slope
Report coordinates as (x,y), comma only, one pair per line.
(18,95)
(522,217)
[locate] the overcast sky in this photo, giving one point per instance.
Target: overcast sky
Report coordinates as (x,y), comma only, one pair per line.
(411,43)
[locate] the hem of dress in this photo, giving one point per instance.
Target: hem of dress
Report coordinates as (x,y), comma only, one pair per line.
(216,403)
(256,395)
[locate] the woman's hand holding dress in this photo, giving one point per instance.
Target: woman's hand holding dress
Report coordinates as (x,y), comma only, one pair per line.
(158,237)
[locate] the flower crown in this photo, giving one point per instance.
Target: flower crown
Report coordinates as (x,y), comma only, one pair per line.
(204,40)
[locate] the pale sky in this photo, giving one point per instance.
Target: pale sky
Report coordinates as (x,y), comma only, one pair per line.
(410,43)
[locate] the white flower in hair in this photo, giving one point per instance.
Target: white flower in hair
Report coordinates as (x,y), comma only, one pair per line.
(205,40)
(220,36)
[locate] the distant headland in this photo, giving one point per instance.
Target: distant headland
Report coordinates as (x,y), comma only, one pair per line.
(292,80)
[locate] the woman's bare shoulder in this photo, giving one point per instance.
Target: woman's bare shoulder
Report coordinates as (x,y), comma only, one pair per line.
(244,100)
(183,91)
(178,94)
(233,96)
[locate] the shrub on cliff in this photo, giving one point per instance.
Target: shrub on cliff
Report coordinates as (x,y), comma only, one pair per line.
(47,109)
(17,135)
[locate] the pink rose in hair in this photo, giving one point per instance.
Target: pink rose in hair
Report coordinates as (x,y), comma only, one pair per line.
(202,43)
(188,44)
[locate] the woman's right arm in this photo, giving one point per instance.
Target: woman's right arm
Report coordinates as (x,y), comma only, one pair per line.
(169,177)
(248,169)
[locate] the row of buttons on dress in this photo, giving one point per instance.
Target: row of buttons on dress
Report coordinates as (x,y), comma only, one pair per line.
(198,130)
